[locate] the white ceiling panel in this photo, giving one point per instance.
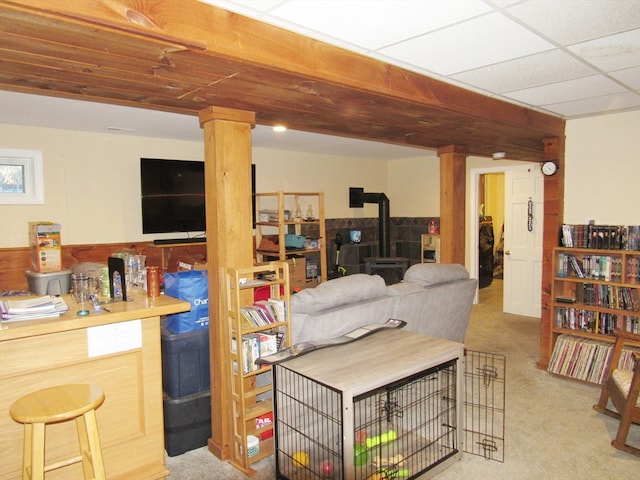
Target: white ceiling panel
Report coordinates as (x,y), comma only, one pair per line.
(571,21)
(593,86)
(628,76)
(544,68)
(604,104)
(612,53)
(452,49)
(373,24)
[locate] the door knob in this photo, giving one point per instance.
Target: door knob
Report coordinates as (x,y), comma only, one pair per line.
(508,252)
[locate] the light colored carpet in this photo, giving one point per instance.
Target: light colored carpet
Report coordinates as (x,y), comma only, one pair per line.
(552,432)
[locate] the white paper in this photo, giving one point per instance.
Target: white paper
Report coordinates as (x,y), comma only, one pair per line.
(114,338)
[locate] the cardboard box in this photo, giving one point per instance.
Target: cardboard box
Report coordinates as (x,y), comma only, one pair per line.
(46,246)
(297,270)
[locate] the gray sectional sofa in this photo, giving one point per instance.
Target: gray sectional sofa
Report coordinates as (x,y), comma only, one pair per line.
(434,299)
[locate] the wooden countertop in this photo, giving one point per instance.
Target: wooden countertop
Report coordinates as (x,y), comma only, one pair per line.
(139,307)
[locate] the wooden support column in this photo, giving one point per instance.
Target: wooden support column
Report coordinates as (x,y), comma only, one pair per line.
(553,219)
(227,146)
(453,161)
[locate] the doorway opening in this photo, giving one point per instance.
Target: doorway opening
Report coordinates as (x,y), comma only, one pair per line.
(514,261)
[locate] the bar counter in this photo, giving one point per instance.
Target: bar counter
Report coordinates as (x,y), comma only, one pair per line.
(118,350)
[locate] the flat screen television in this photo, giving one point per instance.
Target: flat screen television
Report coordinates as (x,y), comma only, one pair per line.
(173,198)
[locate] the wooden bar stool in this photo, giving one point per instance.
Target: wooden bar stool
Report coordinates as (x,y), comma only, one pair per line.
(54,405)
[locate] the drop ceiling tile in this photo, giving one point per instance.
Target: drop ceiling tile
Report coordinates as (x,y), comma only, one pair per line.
(597,105)
(593,86)
(481,41)
(552,66)
(611,53)
(372,24)
(573,21)
(245,7)
(628,76)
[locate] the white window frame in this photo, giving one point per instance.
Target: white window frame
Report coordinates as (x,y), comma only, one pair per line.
(31,161)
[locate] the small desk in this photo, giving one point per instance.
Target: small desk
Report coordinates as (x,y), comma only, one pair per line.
(117,350)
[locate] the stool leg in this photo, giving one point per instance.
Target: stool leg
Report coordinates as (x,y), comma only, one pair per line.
(81,428)
(92,461)
(26,451)
(36,449)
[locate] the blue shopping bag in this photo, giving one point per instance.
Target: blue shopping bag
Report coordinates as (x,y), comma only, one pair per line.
(191,286)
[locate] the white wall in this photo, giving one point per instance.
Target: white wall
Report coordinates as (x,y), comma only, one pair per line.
(92,180)
(91,183)
(602,178)
(296,172)
(414,186)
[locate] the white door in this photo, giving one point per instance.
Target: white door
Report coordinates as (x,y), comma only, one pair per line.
(523,212)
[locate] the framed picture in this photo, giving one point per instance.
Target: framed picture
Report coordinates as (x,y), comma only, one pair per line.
(21,177)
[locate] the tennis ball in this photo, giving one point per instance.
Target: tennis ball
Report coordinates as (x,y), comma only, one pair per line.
(360,454)
(300,459)
(327,468)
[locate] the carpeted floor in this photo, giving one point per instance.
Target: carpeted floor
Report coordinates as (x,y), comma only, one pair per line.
(551,430)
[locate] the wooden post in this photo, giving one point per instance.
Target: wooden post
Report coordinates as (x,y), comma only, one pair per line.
(553,218)
(452,203)
(227,145)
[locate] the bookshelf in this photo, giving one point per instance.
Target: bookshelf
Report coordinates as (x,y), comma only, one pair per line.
(593,291)
(251,404)
(279,214)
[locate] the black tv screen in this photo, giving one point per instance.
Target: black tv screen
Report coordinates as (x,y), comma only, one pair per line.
(173,198)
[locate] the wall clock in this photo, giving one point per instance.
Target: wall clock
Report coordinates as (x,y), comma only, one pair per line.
(549,168)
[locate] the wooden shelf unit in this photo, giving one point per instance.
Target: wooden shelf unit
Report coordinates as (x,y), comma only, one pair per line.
(166,250)
(251,392)
(592,292)
(429,248)
(284,207)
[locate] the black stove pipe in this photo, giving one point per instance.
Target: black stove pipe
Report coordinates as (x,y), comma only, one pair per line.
(357,199)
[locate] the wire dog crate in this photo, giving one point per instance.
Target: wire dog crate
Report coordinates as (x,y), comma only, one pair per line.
(388,404)
(484,404)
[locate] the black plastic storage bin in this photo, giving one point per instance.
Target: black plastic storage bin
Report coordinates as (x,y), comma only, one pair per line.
(185,362)
(187,422)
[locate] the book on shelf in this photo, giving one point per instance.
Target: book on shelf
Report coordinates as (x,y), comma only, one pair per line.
(256,345)
(264,313)
(585,358)
(279,306)
(593,321)
(633,270)
(595,267)
(600,237)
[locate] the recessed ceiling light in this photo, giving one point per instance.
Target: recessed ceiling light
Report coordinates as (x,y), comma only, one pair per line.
(279,128)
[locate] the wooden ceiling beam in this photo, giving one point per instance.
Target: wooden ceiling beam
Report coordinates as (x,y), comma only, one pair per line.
(185,56)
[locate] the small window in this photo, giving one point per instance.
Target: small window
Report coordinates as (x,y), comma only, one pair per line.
(21,177)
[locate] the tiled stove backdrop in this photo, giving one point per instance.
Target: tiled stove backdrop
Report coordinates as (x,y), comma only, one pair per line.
(404,236)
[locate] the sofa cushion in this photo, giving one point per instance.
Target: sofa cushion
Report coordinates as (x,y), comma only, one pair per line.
(427,274)
(340,291)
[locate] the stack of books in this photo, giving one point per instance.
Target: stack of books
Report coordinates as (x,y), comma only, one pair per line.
(46,306)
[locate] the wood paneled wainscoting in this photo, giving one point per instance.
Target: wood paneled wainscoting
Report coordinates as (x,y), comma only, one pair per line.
(15,261)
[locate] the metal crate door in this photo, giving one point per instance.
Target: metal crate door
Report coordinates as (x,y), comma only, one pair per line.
(484,404)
